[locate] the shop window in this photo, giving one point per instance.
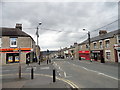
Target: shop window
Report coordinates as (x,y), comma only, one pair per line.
(13,42)
(107,43)
(12,57)
(101,46)
(95,45)
(108,55)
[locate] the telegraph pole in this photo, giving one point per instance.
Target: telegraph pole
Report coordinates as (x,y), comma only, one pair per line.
(89,44)
(19,64)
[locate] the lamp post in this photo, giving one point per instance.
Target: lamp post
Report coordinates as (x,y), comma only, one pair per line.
(19,63)
(37,32)
(38,37)
(89,42)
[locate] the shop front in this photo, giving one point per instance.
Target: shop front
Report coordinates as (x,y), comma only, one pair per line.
(117,52)
(11,55)
(84,55)
(97,55)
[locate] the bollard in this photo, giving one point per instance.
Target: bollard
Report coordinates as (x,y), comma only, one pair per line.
(54,76)
(47,61)
(39,63)
(19,71)
(32,73)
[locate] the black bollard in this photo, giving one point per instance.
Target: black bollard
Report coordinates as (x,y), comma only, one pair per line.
(47,61)
(32,73)
(39,63)
(54,76)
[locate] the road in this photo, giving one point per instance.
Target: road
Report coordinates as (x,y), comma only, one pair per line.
(87,74)
(83,74)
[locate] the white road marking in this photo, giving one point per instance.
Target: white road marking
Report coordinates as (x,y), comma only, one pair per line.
(65,74)
(45,68)
(99,73)
(59,74)
(59,67)
(108,76)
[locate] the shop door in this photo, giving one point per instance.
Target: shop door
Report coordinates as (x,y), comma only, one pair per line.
(118,56)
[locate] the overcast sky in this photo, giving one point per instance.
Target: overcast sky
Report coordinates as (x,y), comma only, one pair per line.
(68,17)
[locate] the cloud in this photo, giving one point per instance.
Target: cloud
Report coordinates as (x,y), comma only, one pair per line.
(68,17)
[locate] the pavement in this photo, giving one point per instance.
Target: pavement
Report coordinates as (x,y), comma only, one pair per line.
(39,81)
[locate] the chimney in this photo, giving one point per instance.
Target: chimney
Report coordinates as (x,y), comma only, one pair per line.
(75,43)
(19,26)
(102,32)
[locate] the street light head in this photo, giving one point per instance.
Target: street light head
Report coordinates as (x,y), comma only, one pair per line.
(40,23)
(84,29)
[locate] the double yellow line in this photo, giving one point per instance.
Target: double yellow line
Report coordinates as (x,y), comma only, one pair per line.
(64,80)
(58,78)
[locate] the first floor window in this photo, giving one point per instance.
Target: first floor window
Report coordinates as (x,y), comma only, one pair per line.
(108,55)
(95,45)
(13,42)
(101,46)
(107,43)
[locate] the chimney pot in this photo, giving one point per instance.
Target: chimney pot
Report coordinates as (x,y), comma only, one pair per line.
(102,32)
(19,26)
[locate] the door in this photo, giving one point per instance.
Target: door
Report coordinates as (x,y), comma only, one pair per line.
(118,56)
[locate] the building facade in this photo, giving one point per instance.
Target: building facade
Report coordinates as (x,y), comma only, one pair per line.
(105,47)
(16,46)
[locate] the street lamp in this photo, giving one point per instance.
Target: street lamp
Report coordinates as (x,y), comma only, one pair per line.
(38,37)
(89,42)
(37,32)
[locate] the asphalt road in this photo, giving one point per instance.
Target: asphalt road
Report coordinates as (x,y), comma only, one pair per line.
(83,74)
(87,74)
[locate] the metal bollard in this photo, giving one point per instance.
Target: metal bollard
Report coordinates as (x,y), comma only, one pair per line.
(32,73)
(19,71)
(39,63)
(54,76)
(47,61)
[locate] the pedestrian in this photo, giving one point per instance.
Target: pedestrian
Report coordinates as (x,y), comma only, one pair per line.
(28,60)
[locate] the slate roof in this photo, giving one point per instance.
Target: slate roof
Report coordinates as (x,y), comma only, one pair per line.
(102,37)
(13,32)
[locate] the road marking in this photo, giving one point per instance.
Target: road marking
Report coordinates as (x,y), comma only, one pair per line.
(44,68)
(65,74)
(59,74)
(99,73)
(108,76)
(73,85)
(59,67)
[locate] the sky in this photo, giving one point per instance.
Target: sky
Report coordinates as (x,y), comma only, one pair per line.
(62,22)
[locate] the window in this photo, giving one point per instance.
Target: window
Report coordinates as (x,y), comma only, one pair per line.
(107,43)
(0,42)
(119,39)
(80,46)
(101,46)
(95,45)
(108,55)
(13,42)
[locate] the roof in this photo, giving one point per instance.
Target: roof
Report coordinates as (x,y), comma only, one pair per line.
(102,37)
(13,32)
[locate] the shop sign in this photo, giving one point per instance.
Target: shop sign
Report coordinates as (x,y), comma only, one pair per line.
(14,49)
(84,51)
